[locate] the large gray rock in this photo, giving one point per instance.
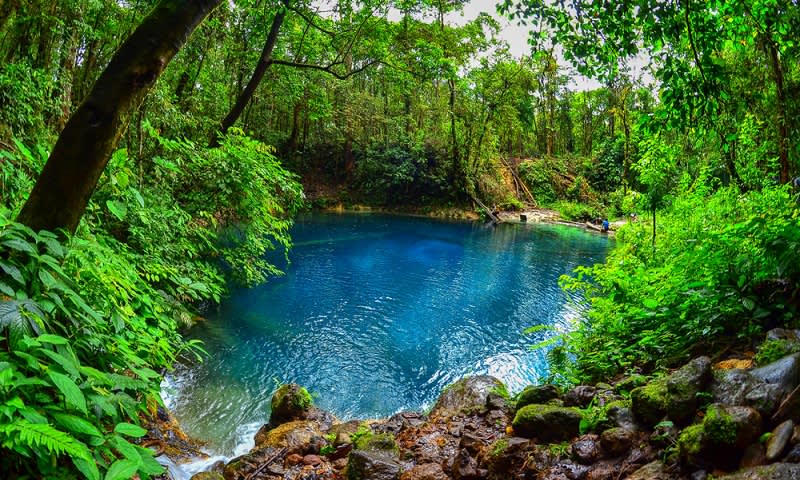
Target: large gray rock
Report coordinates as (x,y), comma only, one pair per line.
(547,423)
(737,387)
(683,386)
(372,465)
(776,471)
(785,373)
(466,396)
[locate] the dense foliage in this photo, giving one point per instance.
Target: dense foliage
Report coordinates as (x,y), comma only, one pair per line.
(389,103)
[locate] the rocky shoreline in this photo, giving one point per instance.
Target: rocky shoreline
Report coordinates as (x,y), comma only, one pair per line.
(727,420)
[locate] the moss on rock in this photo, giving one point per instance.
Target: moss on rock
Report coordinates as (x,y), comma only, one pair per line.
(649,402)
(548,423)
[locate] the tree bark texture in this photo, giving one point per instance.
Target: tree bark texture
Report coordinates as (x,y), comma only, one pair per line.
(84,147)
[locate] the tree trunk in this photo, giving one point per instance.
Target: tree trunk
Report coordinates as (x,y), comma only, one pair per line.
(255,79)
(780,106)
(81,153)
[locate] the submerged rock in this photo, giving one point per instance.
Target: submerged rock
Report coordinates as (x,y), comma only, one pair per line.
(547,423)
(468,395)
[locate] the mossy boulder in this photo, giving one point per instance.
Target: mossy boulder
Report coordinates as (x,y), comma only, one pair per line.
(682,389)
(466,396)
(649,402)
(547,423)
(735,427)
(375,442)
(290,402)
(692,444)
(296,436)
(537,394)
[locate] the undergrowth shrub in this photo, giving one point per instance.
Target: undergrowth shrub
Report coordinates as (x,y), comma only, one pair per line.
(82,337)
(725,265)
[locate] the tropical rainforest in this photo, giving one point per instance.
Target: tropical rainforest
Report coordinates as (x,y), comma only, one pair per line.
(152,153)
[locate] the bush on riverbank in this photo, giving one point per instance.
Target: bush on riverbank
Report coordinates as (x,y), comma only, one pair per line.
(88,323)
(723,267)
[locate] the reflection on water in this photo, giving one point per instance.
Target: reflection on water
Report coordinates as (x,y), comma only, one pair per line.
(376,314)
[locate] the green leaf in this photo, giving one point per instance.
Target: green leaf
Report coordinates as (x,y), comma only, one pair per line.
(69,365)
(117,208)
(651,303)
(126,449)
(13,271)
(122,470)
(19,245)
(130,430)
(87,467)
(53,339)
(72,394)
(75,424)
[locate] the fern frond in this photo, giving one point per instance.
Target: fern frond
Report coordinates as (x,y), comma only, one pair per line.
(43,436)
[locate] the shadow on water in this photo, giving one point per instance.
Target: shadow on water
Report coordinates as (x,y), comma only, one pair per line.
(376,314)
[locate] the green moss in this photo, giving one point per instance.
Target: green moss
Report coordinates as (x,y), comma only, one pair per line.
(501,391)
(498,447)
(719,426)
(692,440)
(303,399)
(376,441)
(649,402)
(772,350)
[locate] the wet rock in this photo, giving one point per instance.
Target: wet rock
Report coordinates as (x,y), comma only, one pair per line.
(580,396)
(297,437)
(343,432)
(602,471)
(620,415)
(785,373)
(783,334)
(399,421)
(427,471)
(495,402)
(472,443)
(649,402)
(664,435)
(290,402)
(207,476)
(293,459)
(312,460)
(537,394)
(682,389)
(372,465)
(627,384)
(737,387)
(776,471)
(793,456)
(464,467)
(753,456)
(779,440)
(245,465)
(376,442)
(789,409)
(616,441)
(652,471)
(547,423)
(735,427)
(467,395)
(585,451)
(506,454)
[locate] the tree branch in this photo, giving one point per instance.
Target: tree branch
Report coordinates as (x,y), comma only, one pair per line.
(325,68)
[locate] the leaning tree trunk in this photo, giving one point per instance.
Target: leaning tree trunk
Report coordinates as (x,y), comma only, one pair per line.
(255,80)
(81,153)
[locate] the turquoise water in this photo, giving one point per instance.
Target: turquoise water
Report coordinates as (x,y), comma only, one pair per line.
(376,314)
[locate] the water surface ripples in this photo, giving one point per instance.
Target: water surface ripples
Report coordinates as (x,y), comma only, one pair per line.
(376,314)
